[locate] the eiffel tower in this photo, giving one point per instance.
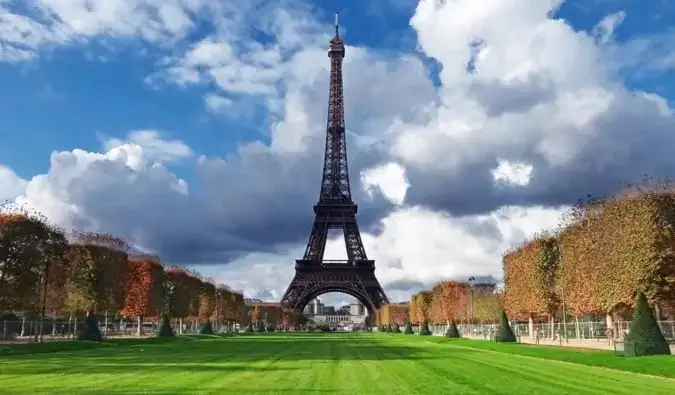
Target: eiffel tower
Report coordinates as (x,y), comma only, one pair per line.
(335,210)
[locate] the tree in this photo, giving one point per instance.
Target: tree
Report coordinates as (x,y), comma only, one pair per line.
(408,328)
(165,329)
(90,332)
(31,252)
(145,289)
(529,278)
(645,332)
(453,300)
(206,329)
(452,331)
(504,332)
(424,329)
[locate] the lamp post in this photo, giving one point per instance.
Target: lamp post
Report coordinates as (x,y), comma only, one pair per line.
(471,280)
(44,298)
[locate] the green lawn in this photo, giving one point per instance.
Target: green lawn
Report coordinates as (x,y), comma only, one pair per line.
(323,363)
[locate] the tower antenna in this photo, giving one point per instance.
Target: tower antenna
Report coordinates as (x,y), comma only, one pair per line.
(336,24)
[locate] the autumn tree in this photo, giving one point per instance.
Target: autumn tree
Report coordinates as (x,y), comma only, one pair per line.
(453,299)
(145,289)
(529,278)
(99,270)
(31,252)
(486,305)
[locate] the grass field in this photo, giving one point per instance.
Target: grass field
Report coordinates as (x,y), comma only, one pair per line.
(324,363)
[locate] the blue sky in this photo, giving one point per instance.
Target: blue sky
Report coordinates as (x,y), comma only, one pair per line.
(77,78)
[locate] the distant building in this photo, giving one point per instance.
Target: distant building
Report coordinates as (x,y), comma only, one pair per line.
(356,309)
(315,307)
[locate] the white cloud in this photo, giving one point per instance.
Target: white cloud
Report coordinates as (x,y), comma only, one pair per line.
(217,104)
(514,173)
(147,145)
(604,30)
(541,94)
(389,179)
(11,185)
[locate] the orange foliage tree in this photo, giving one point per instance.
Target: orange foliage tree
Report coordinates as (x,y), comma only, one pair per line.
(453,300)
(529,278)
(144,297)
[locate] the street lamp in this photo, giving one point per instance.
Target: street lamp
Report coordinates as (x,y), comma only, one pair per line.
(471,280)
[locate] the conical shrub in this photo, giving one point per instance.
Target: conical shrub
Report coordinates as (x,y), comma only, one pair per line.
(408,328)
(249,328)
(165,329)
(207,329)
(424,329)
(645,332)
(504,332)
(452,331)
(396,329)
(90,332)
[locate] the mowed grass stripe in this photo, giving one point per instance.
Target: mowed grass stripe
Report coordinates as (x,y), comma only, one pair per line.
(590,379)
(308,363)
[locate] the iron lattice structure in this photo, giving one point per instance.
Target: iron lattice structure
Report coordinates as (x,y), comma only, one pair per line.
(335,210)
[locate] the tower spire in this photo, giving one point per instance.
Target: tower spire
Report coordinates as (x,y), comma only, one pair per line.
(337,25)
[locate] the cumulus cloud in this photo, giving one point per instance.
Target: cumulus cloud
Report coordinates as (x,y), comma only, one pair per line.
(11,185)
(527,115)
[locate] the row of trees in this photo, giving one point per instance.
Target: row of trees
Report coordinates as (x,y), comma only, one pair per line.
(605,252)
(448,301)
(271,314)
(46,272)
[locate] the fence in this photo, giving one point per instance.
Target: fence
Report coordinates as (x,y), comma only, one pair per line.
(63,330)
(579,331)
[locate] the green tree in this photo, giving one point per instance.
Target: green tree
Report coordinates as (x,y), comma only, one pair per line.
(424,329)
(207,329)
(165,329)
(504,332)
(645,331)
(90,332)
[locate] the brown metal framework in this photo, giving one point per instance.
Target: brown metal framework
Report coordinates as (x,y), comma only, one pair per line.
(335,210)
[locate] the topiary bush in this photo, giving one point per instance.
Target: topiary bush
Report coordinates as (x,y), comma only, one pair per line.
(90,332)
(396,329)
(645,332)
(408,328)
(452,331)
(249,328)
(504,332)
(165,329)
(424,329)
(207,329)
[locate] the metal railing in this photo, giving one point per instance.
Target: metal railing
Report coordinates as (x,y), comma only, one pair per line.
(26,331)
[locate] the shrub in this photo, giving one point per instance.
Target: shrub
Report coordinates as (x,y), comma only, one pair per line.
(645,332)
(452,331)
(249,328)
(207,329)
(408,328)
(504,332)
(90,332)
(424,329)
(165,329)
(396,329)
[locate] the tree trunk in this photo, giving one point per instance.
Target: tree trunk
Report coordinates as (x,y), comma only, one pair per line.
(530,327)
(139,327)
